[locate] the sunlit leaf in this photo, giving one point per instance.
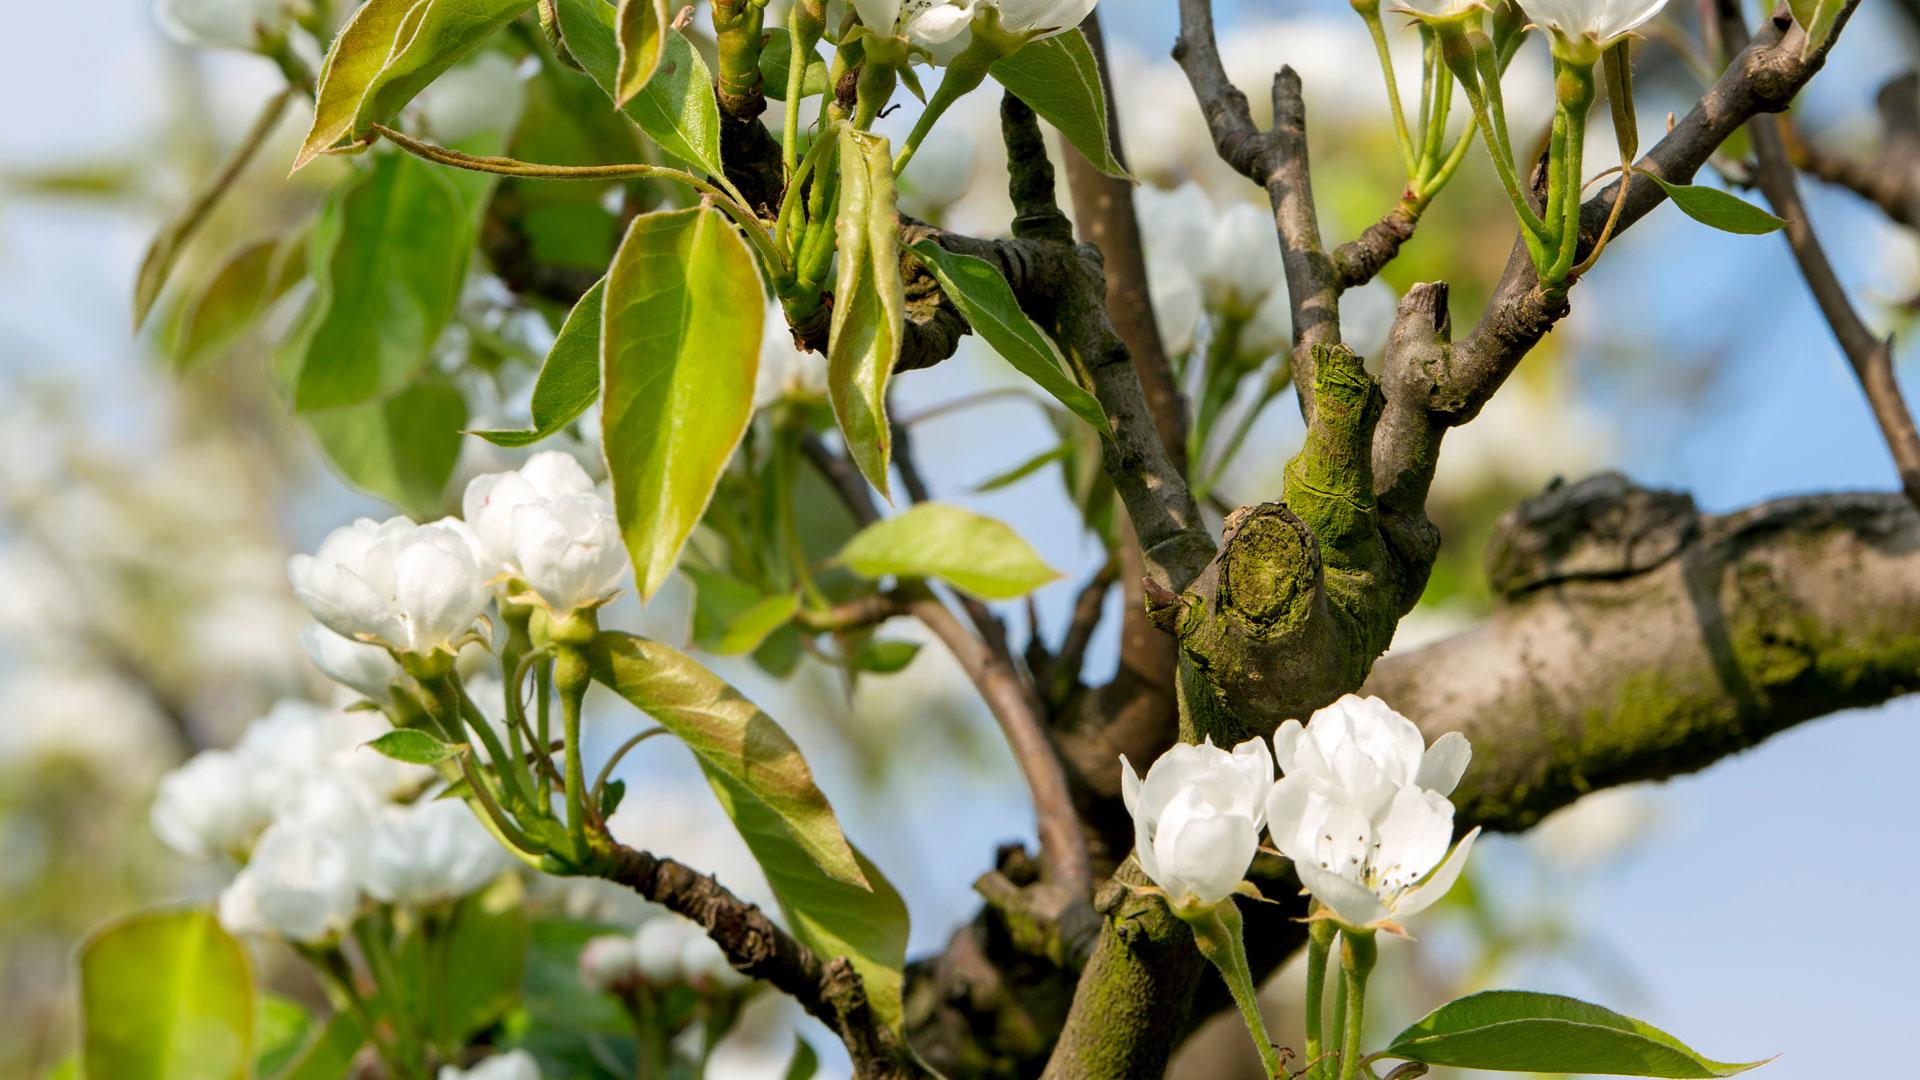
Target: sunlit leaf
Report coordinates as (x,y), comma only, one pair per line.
(569,379)
(401,449)
(1816,19)
(1518,1031)
(883,657)
(731,617)
(676,108)
(971,552)
(642,27)
(987,301)
(869,309)
(680,347)
(1060,79)
(415,747)
(166,996)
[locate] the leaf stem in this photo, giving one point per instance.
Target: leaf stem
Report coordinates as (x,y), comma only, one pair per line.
(606,771)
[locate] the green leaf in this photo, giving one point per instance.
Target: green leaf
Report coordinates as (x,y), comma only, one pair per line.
(401,449)
(971,552)
(388,258)
(234,296)
(165,996)
(1718,209)
(776,61)
(731,617)
(733,739)
(987,301)
(283,1029)
(485,958)
(676,108)
(415,747)
(869,311)
(641,26)
(328,1054)
(804,1062)
(569,378)
(1816,19)
(1060,79)
(1025,469)
(680,347)
(387,53)
(883,657)
(1518,1031)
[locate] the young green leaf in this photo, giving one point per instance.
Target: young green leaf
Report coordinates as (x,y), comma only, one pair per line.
(1718,209)
(401,449)
(731,617)
(679,348)
(869,311)
(352,62)
(1816,19)
(281,1028)
(676,108)
(776,61)
(569,378)
(733,739)
(432,37)
(388,257)
(971,552)
(1060,79)
(220,311)
(642,27)
(987,301)
(328,1052)
(883,657)
(165,996)
(1519,1031)
(415,747)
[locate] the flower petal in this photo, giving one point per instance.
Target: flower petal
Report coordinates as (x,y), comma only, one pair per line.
(1349,901)
(1424,895)
(1445,762)
(1208,855)
(1412,838)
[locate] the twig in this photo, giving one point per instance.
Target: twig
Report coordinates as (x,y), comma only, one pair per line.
(1870,355)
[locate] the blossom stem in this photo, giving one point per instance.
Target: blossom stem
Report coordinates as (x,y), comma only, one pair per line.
(337,974)
(1218,933)
(1459,55)
(1575,88)
(571,675)
(502,823)
(960,80)
(1358,952)
(1400,131)
(387,990)
(1320,935)
(805,22)
(606,771)
(543,724)
(511,767)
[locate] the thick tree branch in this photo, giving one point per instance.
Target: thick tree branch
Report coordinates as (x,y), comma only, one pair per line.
(1639,639)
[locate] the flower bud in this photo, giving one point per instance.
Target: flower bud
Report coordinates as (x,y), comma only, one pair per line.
(546,525)
(1197,818)
(414,588)
(215,804)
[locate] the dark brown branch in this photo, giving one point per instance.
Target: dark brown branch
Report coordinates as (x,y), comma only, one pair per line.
(1891,180)
(831,992)
(1870,355)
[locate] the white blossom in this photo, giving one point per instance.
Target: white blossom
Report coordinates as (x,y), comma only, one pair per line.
(1174,292)
(1602,22)
(1176,224)
(1362,811)
(1041,18)
(1197,817)
(512,1065)
(480,96)
(608,962)
(941,171)
(546,525)
(430,852)
(414,588)
(705,966)
(215,804)
(659,949)
(367,669)
(939,27)
(239,908)
(300,740)
(220,24)
(785,370)
(1243,260)
(303,881)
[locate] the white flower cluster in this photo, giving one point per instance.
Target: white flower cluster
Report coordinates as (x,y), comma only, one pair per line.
(942,29)
(415,588)
(312,815)
(1361,809)
(667,950)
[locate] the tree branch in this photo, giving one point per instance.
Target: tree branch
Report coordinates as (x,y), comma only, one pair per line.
(1891,180)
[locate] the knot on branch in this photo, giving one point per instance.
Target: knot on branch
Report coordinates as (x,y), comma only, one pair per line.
(1605,526)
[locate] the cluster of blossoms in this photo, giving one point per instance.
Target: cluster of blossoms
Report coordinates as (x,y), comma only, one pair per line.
(942,29)
(1361,809)
(665,951)
(321,825)
(1600,23)
(542,534)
